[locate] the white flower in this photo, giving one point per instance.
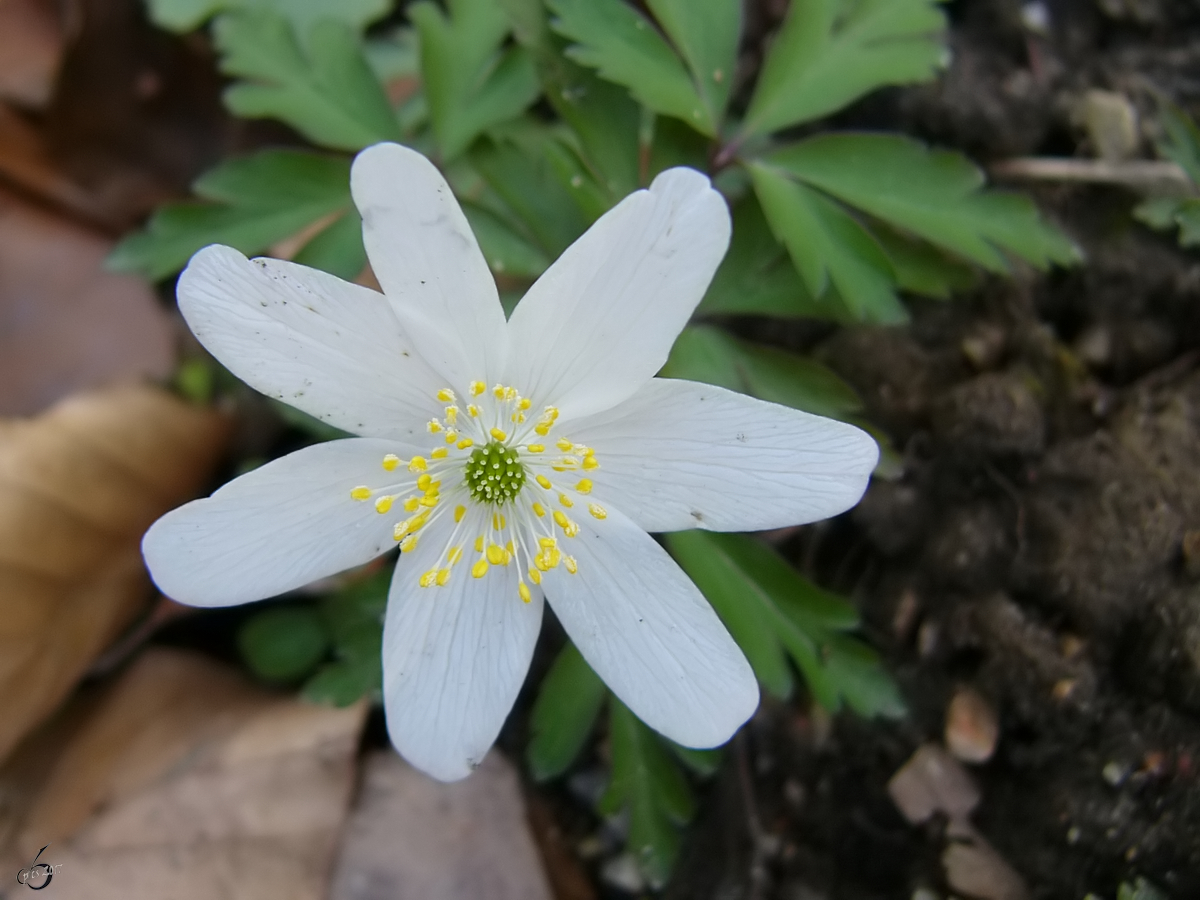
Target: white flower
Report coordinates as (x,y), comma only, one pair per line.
(507,459)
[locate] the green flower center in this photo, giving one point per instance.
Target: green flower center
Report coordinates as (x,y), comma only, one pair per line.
(494,474)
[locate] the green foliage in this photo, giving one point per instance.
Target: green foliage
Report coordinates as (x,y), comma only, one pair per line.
(1181,140)
(283,643)
(353,619)
(646,781)
(564,714)
(831,52)
(185,15)
(322,86)
(1181,143)
(1141,889)
(472,84)
(774,613)
(251,203)
(708,354)
(1163,213)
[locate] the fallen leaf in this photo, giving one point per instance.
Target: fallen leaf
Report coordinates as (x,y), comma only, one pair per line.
(31,46)
(65,323)
(78,487)
(184,781)
(933,781)
(974,868)
(409,836)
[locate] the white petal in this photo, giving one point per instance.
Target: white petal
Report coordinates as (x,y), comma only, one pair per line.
(274,529)
(680,454)
(651,635)
(429,263)
(454,658)
(601,320)
(320,344)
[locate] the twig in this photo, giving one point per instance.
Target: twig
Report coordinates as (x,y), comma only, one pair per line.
(1138,174)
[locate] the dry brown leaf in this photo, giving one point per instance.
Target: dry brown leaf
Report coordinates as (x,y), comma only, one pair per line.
(186,782)
(31,46)
(78,487)
(933,781)
(409,836)
(65,323)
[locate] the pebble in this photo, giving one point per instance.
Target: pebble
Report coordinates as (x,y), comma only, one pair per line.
(972,727)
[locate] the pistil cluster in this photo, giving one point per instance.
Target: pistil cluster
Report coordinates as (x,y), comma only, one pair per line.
(512,485)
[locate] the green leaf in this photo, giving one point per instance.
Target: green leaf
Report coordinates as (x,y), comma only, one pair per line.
(185,15)
(647,781)
(310,425)
(345,682)
(1181,141)
(756,277)
(769,608)
(706,36)
(472,84)
(935,195)
(353,617)
(672,144)
(921,268)
(1189,223)
(829,247)
(564,714)
(708,354)
(1167,212)
(283,643)
(507,252)
(252,203)
(624,47)
(831,52)
(1141,889)
(337,248)
(325,89)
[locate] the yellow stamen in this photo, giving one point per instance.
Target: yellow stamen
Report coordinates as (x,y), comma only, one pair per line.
(564,445)
(445,395)
(547,542)
(560,519)
(498,434)
(362,492)
(411,504)
(525,403)
(572,566)
(538,509)
(543,481)
(451,436)
(477,388)
(443,576)
(440,453)
(598,511)
(479,569)
(424,482)
(409,544)
(459,512)
(429,500)
(495,554)
(428,578)
(498,392)
(536,448)
(391,461)
(498,521)
(465,443)
(589,463)
(523,590)
(479,544)
(472,410)
(454,555)
(535,576)
(451,414)
(399,530)
(434,426)
(417,464)
(584,486)
(566,501)
(383,504)
(542,428)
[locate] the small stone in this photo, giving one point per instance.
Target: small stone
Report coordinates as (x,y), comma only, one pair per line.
(933,781)
(1114,773)
(977,870)
(972,728)
(1112,124)
(1064,688)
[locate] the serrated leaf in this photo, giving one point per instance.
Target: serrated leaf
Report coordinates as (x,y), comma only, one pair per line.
(323,87)
(647,781)
(829,247)
(472,83)
(921,268)
(936,195)
(756,277)
(706,36)
(185,15)
(829,53)
(1181,141)
(624,47)
(564,714)
(1163,213)
(769,608)
(252,203)
(708,354)
(283,643)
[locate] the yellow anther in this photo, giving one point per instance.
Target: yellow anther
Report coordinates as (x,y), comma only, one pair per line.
(451,414)
(535,576)
(424,481)
(543,481)
(383,504)
(560,519)
(434,426)
(417,464)
(479,544)
(589,463)
(440,453)
(584,486)
(479,569)
(362,492)
(571,530)
(472,410)
(498,434)
(498,521)
(597,511)
(428,578)
(409,544)
(550,413)
(477,388)
(542,428)
(566,501)
(443,576)
(399,530)
(508,545)
(453,555)
(523,590)
(572,566)
(547,542)
(541,562)
(465,443)
(391,461)
(459,512)
(566,464)
(416,523)
(411,504)
(495,554)
(510,394)
(430,500)
(445,395)
(564,445)
(451,436)
(538,509)
(536,448)
(525,403)
(498,391)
